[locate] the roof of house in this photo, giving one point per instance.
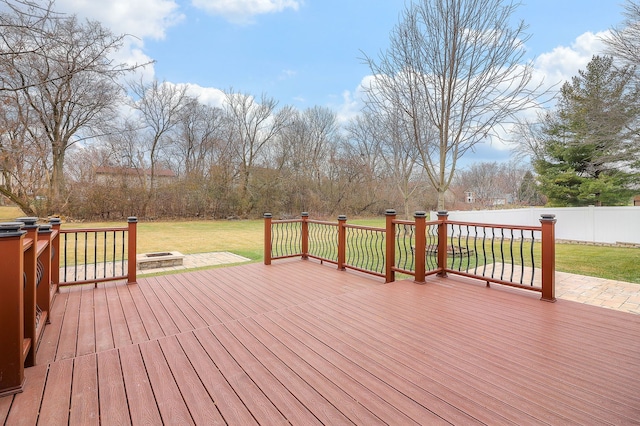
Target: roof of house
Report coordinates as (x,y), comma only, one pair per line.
(133,171)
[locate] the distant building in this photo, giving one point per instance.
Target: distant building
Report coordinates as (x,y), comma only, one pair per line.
(131,175)
(469,197)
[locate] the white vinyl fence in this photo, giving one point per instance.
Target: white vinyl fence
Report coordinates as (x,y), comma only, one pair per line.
(610,225)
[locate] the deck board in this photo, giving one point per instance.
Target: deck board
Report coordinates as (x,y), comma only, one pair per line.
(313,400)
(102,322)
(220,391)
(173,408)
(280,345)
(242,384)
(113,397)
(117,318)
(143,407)
(84,394)
(135,326)
(160,312)
(25,406)
(86,343)
(147,315)
(200,405)
(173,310)
(57,393)
(68,341)
(301,343)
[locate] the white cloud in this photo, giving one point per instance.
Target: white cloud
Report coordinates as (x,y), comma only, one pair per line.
(140,18)
(243,11)
(207,95)
(351,105)
(564,62)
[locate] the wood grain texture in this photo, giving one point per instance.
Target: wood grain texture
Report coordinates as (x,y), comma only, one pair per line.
(301,343)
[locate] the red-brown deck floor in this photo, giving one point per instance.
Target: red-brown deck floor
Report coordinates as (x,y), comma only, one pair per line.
(298,342)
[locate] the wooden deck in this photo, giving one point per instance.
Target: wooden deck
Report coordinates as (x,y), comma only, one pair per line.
(301,343)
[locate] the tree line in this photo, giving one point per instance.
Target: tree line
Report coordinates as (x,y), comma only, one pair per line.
(80,136)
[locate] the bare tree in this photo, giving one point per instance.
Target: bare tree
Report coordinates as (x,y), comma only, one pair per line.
(198,139)
(253,126)
(22,32)
(58,81)
(454,74)
(624,41)
(23,178)
(388,153)
(159,107)
(492,183)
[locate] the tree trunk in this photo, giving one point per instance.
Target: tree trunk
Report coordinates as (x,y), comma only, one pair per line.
(57,184)
(441,200)
(23,204)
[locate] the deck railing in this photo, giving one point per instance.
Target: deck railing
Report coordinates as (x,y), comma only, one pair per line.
(31,256)
(517,256)
(93,255)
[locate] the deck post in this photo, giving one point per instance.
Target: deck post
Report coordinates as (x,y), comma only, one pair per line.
(11,308)
(548,222)
(305,235)
(342,242)
(390,257)
(442,243)
(30,268)
(55,258)
(420,251)
(132,248)
(267,238)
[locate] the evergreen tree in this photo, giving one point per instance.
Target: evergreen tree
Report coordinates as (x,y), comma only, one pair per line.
(590,145)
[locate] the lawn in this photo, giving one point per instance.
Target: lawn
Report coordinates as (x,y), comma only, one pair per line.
(245,238)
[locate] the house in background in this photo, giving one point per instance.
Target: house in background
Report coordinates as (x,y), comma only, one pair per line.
(133,175)
(488,200)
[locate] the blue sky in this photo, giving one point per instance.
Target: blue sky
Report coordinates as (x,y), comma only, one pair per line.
(307,52)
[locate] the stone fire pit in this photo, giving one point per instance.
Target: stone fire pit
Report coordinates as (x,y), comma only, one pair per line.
(159,260)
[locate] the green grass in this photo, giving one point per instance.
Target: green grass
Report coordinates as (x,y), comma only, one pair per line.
(614,263)
(9,214)
(242,237)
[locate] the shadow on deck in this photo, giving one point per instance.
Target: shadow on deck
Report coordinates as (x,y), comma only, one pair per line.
(303,343)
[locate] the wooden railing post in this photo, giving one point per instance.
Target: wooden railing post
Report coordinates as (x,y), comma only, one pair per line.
(30,262)
(342,242)
(132,249)
(11,308)
(442,243)
(420,250)
(548,222)
(267,238)
(55,249)
(305,235)
(390,257)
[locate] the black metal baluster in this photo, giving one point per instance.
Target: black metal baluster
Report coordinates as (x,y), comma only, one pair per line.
(533,259)
(502,252)
(513,265)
